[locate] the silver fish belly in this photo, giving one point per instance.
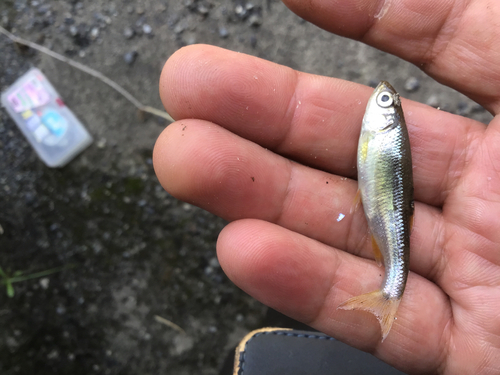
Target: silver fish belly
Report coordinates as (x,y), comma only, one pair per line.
(385,182)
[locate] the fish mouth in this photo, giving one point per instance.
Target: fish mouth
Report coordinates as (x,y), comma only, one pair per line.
(385,86)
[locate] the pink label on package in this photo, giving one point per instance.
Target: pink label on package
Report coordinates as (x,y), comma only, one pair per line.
(31,95)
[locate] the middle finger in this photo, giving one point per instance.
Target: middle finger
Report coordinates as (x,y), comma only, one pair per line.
(232,177)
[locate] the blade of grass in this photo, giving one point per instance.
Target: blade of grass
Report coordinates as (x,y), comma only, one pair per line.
(16,279)
(10,289)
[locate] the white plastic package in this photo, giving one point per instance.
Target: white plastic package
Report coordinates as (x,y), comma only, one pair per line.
(52,129)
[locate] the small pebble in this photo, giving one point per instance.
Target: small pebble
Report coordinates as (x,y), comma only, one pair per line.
(147,29)
(94,33)
(128,32)
(202,9)
(462,108)
(433,101)
(253,41)
(54,354)
(412,84)
(5,20)
(61,310)
(255,20)
(68,20)
(11,343)
(73,30)
(130,57)
(179,28)
(214,262)
(44,283)
(140,21)
(240,11)
(223,33)
(101,143)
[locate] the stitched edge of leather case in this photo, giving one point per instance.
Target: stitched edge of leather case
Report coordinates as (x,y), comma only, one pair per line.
(240,349)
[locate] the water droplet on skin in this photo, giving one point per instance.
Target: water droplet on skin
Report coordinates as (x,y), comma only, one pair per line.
(341,217)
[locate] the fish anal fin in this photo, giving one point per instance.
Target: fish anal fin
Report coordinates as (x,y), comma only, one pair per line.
(356,202)
(376,303)
(376,252)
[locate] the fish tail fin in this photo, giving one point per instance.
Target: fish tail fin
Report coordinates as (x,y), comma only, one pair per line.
(376,303)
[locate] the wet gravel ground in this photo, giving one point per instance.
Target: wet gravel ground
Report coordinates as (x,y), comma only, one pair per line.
(129,251)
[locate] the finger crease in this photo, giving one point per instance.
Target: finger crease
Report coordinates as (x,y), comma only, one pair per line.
(381,10)
(438,255)
(433,52)
(287,199)
(288,116)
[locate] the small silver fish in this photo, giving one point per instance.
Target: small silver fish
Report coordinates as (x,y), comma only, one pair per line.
(385,183)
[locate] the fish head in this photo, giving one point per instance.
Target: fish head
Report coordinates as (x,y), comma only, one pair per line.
(383,108)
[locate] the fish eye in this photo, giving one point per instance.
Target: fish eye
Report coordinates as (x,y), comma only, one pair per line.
(384,99)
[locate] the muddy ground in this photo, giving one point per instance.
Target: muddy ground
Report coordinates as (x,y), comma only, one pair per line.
(128,250)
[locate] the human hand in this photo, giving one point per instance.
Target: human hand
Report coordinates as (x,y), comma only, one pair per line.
(244,123)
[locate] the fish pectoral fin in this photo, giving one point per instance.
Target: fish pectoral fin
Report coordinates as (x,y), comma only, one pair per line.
(356,202)
(383,308)
(376,252)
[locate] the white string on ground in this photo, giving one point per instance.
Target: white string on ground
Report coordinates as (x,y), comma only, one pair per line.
(90,71)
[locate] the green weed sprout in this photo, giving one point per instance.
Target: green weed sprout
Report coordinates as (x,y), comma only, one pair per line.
(18,276)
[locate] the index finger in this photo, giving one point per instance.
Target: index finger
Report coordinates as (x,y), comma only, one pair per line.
(311,119)
(451,40)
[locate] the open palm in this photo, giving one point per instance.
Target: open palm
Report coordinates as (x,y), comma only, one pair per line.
(274,151)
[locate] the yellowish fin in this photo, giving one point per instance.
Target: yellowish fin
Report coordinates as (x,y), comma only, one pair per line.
(376,252)
(356,202)
(383,308)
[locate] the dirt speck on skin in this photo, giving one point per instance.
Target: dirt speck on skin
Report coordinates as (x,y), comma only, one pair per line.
(131,250)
